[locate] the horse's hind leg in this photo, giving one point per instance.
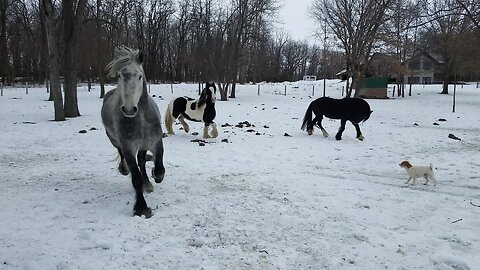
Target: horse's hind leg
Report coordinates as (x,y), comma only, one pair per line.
(359,133)
(122,165)
(169,122)
(184,124)
(340,130)
(142,159)
(140,208)
(158,172)
(319,123)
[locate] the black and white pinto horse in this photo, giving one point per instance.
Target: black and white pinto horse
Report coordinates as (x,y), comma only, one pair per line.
(354,110)
(200,110)
(132,122)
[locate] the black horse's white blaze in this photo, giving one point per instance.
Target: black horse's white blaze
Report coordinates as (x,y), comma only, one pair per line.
(132,123)
(354,110)
(197,110)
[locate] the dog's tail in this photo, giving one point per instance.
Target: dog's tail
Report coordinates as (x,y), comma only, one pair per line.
(307,119)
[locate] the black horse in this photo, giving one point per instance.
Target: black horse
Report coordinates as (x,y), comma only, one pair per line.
(354,110)
(197,110)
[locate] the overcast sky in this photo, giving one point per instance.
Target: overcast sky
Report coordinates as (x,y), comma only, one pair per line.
(296,20)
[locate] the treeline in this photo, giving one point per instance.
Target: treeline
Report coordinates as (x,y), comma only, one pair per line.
(183,41)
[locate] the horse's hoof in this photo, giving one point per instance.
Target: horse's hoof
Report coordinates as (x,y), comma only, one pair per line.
(123,169)
(310,131)
(213,135)
(361,138)
(158,177)
(338,138)
(147,187)
(147,212)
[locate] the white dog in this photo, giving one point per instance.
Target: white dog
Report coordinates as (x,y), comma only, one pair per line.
(418,171)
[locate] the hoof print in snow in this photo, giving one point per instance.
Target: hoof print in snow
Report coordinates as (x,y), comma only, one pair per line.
(195,133)
(93,128)
(415,125)
(225,140)
(274,108)
(436,124)
(164,135)
(263,109)
(250,130)
(258,134)
(160,97)
(266,126)
(451,136)
(201,144)
(226,125)
(442,120)
(82,131)
(287,135)
(153,95)
(196,243)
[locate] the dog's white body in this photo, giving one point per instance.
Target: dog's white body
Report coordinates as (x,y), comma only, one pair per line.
(418,171)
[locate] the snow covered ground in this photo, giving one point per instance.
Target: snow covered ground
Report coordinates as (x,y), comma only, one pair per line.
(262,200)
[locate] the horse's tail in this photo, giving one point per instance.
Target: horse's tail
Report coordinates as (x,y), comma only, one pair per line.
(368,116)
(307,119)
(169,119)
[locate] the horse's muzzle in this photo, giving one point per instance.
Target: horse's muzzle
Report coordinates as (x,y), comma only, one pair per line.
(129,112)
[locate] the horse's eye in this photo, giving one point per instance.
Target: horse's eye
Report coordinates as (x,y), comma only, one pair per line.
(140,77)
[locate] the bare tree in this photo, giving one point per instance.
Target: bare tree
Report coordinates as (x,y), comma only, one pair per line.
(52,30)
(355,24)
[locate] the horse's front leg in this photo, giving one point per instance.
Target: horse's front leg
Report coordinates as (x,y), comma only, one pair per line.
(340,130)
(359,133)
(205,131)
(122,165)
(142,159)
(140,208)
(158,172)
(214,132)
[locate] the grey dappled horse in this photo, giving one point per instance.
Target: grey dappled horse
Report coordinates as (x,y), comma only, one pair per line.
(132,122)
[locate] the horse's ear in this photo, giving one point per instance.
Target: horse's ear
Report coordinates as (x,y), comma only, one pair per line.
(139,57)
(117,52)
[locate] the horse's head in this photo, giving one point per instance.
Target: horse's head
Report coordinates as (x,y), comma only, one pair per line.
(127,67)
(208,93)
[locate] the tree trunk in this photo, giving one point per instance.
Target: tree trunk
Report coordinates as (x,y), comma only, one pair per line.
(54,66)
(3,41)
(100,64)
(446,78)
(223,89)
(72,19)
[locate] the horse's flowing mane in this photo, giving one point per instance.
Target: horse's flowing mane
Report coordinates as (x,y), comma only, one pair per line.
(122,57)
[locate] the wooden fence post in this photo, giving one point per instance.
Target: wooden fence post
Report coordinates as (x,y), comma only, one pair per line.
(343,88)
(1,87)
(258,89)
(393,92)
(26,88)
(171,87)
(285,90)
(313,90)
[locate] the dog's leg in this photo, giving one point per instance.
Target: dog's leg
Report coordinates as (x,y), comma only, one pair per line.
(426,178)
(414,180)
(433,179)
(408,180)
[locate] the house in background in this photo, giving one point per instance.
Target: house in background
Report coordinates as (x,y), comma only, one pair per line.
(425,68)
(309,78)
